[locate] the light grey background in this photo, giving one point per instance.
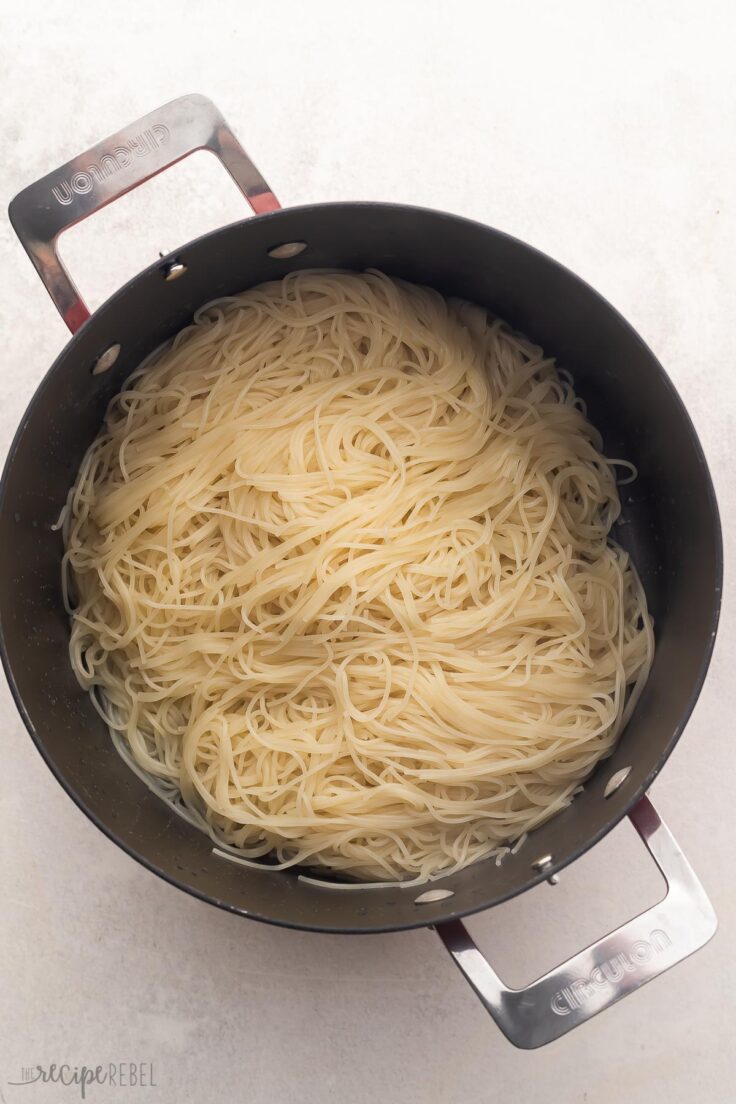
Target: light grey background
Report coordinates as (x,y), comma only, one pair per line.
(603,134)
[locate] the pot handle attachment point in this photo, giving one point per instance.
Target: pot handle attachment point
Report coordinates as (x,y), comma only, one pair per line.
(606,971)
(43,210)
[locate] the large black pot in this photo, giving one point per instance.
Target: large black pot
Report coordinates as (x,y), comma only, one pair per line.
(670,524)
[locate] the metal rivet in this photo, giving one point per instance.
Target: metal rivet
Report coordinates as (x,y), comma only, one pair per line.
(106,360)
(616,781)
(287,249)
(540,864)
(433,895)
(174,270)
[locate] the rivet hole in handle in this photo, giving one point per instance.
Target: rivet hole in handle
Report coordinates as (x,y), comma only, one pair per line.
(43,210)
(609,969)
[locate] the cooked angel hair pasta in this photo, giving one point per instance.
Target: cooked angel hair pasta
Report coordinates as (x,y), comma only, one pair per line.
(343,583)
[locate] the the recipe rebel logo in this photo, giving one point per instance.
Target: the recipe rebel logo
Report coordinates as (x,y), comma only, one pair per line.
(117,1075)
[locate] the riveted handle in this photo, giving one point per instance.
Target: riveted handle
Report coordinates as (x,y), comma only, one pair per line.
(42,211)
(606,971)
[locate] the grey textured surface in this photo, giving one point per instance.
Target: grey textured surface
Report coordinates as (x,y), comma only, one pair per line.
(603,135)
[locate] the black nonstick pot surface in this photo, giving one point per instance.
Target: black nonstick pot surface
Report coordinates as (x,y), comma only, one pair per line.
(670,525)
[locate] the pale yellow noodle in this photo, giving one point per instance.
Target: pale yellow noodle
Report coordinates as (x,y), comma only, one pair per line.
(343,579)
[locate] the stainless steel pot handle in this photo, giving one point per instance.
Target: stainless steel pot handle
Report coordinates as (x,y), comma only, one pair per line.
(606,971)
(42,211)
